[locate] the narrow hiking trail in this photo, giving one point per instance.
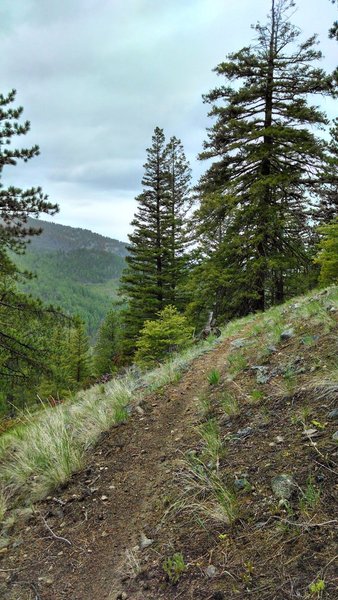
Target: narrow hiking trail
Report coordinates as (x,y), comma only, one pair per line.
(115,502)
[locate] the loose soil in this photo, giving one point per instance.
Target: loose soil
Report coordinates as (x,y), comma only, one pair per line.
(85,542)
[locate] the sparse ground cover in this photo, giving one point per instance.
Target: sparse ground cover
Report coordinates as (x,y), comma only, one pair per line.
(221,488)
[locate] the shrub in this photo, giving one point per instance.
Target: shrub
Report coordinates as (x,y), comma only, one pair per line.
(169,333)
(174,567)
(327,257)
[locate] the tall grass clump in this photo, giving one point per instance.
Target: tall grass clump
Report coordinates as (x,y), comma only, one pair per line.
(214,377)
(170,371)
(45,458)
(205,496)
(229,404)
(213,447)
(51,446)
(3,505)
(237,362)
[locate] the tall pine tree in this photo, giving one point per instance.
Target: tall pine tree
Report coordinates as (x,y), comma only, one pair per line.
(179,203)
(23,346)
(263,185)
(155,262)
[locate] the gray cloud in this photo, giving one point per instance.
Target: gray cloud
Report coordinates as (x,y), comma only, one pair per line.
(96,76)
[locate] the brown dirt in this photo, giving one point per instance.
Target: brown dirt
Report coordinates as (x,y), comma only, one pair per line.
(271,552)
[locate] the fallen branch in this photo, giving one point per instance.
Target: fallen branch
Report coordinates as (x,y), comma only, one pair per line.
(308,524)
(56,537)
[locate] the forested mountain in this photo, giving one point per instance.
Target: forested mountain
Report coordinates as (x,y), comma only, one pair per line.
(75,269)
(62,237)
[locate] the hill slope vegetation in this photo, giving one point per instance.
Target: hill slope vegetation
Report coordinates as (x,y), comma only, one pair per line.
(76,269)
(220,485)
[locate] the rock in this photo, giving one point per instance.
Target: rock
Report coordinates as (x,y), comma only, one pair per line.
(46,580)
(272,349)
(145,541)
(122,596)
(335,436)
(310,432)
(242,433)
(263,375)
(242,484)
(283,486)
(333,414)
(104,498)
(239,343)
(211,571)
(287,334)
(262,378)
(279,439)
(139,410)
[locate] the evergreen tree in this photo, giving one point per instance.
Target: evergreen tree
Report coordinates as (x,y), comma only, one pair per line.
(155,260)
(264,185)
(327,256)
(21,350)
(170,332)
(333,31)
(79,354)
(179,203)
(16,205)
(107,348)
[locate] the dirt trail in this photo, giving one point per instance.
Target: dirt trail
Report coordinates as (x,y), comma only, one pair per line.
(107,507)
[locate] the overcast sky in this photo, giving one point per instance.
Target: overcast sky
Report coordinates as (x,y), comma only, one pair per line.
(95,77)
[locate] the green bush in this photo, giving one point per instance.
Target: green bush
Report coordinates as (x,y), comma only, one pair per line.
(327,257)
(169,333)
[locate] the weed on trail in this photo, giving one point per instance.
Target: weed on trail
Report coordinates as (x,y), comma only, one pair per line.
(214,377)
(174,567)
(206,496)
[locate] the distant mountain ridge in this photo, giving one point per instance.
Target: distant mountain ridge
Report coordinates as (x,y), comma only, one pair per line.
(66,238)
(75,269)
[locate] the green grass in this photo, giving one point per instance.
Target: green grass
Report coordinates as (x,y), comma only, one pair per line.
(213,447)
(229,404)
(310,497)
(237,362)
(214,377)
(43,453)
(205,497)
(174,567)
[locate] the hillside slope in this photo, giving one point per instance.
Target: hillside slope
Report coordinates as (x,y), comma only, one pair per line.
(75,269)
(221,485)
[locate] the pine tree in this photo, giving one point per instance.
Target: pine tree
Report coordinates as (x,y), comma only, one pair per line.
(79,354)
(21,350)
(268,162)
(333,31)
(16,205)
(107,348)
(327,256)
(179,203)
(155,260)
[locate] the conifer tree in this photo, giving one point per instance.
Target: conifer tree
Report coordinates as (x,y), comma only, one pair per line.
(268,165)
(21,350)
(107,348)
(16,205)
(179,203)
(79,354)
(155,260)
(327,256)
